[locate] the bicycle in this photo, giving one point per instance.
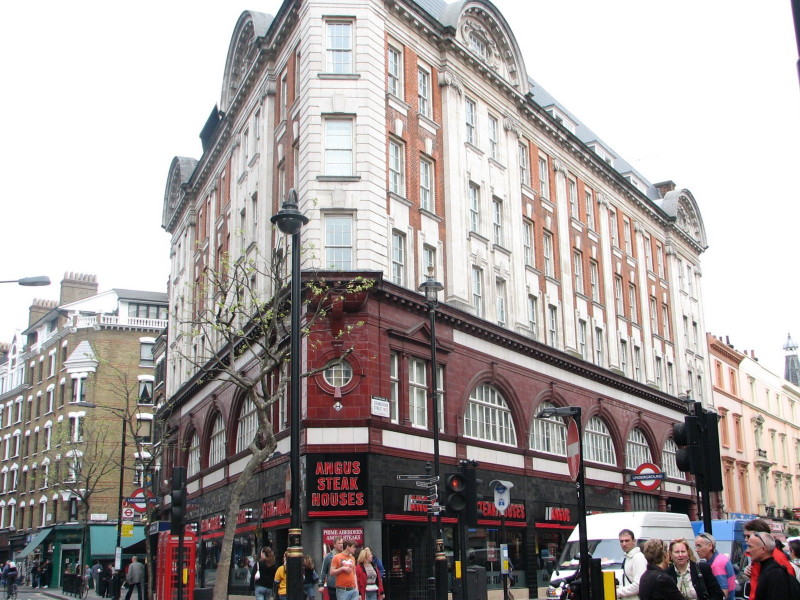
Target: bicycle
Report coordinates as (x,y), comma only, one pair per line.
(83,588)
(11,589)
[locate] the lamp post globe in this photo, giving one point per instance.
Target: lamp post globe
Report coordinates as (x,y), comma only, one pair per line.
(289,219)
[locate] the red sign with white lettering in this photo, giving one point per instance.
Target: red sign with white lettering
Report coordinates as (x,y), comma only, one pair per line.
(337,485)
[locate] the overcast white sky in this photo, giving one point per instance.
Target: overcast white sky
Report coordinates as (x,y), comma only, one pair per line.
(99,96)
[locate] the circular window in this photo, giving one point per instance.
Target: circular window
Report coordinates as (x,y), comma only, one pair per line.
(338,374)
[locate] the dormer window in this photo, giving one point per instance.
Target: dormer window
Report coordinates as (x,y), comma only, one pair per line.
(562,119)
(478,45)
(602,153)
(636,183)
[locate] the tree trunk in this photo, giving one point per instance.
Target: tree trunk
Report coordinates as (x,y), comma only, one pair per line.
(224,564)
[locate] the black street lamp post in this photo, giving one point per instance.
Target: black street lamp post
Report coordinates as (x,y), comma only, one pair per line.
(290,221)
(580,488)
(431,289)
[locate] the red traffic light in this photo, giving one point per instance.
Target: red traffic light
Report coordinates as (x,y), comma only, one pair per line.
(456,490)
(456,483)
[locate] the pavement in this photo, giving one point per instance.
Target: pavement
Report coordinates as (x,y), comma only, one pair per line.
(59,594)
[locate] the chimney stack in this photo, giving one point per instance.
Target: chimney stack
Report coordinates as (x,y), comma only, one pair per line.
(77,286)
(664,187)
(39,308)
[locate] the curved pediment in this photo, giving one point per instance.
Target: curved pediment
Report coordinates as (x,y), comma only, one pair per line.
(681,206)
(484,32)
(180,172)
(242,53)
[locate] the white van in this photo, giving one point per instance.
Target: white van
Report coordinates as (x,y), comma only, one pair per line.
(603,539)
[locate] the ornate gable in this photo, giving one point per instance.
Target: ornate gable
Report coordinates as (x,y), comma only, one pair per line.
(242,53)
(681,205)
(484,32)
(180,171)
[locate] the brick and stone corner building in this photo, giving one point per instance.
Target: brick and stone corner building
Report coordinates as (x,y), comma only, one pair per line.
(86,347)
(418,142)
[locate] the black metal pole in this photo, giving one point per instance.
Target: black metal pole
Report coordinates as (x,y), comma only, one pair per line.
(796,19)
(440,558)
(118,548)
(583,542)
(294,551)
(503,541)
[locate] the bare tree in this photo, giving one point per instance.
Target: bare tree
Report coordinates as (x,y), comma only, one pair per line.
(84,467)
(242,316)
(138,459)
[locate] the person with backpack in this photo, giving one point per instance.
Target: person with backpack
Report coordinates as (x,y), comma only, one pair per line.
(753,570)
(774,581)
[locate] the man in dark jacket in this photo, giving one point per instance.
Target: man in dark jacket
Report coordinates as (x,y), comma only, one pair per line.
(773,580)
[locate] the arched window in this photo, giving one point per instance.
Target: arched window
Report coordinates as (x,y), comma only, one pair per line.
(637,450)
(487,417)
(193,464)
(216,446)
(248,425)
(597,443)
(669,463)
(549,435)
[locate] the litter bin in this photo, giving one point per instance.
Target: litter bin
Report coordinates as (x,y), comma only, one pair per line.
(476,583)
(69,583)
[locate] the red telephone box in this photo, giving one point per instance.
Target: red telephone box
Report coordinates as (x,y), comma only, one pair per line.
(168,568)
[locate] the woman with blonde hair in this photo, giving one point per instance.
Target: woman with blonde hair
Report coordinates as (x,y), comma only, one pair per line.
(370,584)
(654,583)
(694,579)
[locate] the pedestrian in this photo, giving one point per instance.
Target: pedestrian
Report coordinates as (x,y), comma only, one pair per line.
(264,574)
(310,577)
(655,583)
(774,580)
(370,582)
(694,579)
(794,555)
(10,573)
(328,580)
(45,571)
(378,565)
(279,584)
(633,566)
(35,574)
(753,570)
(115,584)
(721,566)
(106,578)
(134,578)
(343,566)
(97,568)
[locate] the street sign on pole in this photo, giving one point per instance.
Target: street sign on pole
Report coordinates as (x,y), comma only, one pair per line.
(573,450)
(425,478)
(502,494)
(647,476)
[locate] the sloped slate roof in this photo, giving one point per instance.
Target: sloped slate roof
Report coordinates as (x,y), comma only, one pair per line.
(144,296)
(444,12)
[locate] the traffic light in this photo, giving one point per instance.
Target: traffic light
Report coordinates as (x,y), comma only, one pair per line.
(178,510)
(471,513)
(711,451)
(687,436)
(456,492)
